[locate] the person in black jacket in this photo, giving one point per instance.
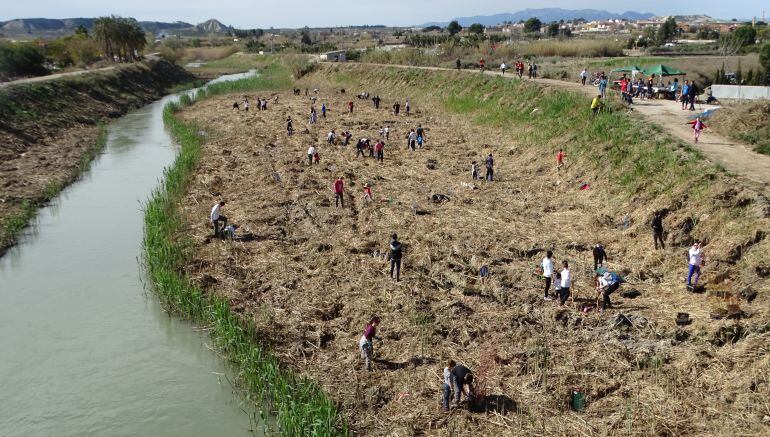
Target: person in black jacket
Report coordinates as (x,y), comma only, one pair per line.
(462,382)
(657,229)
(396,250)
(600,255)
(693,93)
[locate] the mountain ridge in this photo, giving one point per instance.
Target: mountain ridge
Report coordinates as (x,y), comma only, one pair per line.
(545,15)
(65,26)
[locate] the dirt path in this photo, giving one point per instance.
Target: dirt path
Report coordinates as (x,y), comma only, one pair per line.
(735,157)
(53,76)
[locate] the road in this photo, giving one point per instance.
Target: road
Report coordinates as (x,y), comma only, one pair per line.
(735,157)
(52,76)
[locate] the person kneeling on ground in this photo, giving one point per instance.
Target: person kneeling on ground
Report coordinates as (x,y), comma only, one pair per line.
(217,218)
(607,283)
(461,379)
(597,105)
(365,343)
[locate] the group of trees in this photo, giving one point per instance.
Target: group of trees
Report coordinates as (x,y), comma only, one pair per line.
(18,60)
(121,38)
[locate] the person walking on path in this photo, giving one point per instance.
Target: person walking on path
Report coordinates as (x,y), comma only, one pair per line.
(366,343)
(310,154)
(695,258)
(547,273)
(597,105)
(490,163)
(560,159)
(379,152)
(566,283)
(692,95)
(216,218)
(697,127)
(603,86)
(458,64)
(685,94)
(583,76)
(657,229)
(339,190)
(600,255)
(502,68)
(396,251)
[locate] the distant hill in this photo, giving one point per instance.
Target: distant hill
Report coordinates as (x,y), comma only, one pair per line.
(49,27)
(545,15)
(212,26)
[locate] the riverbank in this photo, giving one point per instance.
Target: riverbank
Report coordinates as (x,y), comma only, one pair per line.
(300,406)
(309,275)
(50,131)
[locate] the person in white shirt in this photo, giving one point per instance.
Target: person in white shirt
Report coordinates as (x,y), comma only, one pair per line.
(217,217)
(607,284)
(503,67)
(566,283)
(547,272)
(695,258)
(310,154)
(331,137)
(446,388)
(583,76)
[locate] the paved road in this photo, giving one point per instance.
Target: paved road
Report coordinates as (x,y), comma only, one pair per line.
(735,157)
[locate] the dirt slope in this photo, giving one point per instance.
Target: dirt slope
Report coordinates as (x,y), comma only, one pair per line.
(46,128)
(310,274)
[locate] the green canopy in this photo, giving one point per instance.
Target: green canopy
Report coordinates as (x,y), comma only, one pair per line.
(663,70)
(629,69)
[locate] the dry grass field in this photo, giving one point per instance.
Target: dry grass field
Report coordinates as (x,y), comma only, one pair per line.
(309,275)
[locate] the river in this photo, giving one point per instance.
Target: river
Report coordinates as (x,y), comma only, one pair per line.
(85,349)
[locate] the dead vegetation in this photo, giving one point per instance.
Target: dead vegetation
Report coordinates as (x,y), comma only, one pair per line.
(310,275)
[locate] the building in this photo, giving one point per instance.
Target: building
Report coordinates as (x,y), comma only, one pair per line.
(334,56)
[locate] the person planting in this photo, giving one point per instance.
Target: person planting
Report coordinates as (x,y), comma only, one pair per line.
(365,343)
(606,284)
(217,218)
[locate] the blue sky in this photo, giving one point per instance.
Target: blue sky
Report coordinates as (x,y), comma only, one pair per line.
(298,13)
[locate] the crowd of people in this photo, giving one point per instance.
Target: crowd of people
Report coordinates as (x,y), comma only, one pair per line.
(458,379)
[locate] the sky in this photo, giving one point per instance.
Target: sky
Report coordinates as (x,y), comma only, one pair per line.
(322,13)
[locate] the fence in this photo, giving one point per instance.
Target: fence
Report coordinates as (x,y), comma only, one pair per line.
(740,92)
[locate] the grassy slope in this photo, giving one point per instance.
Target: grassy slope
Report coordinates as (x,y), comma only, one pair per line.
(300,406)
(747,122)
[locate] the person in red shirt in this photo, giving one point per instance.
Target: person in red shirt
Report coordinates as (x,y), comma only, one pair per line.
(339,189)
(367,193)
(378,151)
(560,159)
(481,64)
(350,106)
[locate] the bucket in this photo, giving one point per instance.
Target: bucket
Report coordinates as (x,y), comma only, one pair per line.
(578,400)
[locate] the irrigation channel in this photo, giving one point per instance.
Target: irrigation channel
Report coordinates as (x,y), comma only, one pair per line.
(85,349)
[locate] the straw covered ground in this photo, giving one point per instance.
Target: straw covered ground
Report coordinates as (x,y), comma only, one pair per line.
(310,275)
